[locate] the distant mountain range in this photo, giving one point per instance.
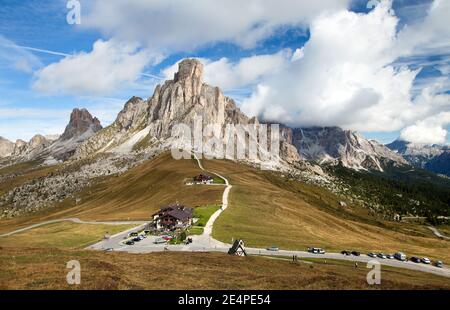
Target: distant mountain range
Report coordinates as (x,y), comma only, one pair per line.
(144,124)
(431,157)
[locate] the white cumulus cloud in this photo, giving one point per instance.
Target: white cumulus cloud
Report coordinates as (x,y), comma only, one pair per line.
(111,65)
(346,77)
(171,25)
(428,131)
(247,71)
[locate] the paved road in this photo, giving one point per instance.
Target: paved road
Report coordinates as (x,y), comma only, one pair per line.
(73,220)
(205,243)
(147,246)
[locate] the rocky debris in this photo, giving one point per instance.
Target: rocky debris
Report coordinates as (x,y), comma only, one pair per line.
(47,191)
(333,145)
(6,147)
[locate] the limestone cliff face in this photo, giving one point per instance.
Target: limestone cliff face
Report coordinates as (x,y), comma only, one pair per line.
(28,150)
(179,100)
(334,145)
(80,122)
(6,147)
(186,97)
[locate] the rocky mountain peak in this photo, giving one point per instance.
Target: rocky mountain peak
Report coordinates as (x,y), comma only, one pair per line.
(134,108)
(37,141)
(189,69)
(335,145)
(6,147)
(80,122)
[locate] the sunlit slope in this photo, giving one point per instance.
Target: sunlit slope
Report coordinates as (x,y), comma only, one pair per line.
(268,209)
(134,195)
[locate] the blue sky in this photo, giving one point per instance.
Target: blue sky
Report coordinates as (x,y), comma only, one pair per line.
(39,53)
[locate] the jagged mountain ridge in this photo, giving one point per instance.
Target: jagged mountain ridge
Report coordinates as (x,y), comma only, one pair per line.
(333,145)
(182,99)
(176,101)
(81,126)
(432,157)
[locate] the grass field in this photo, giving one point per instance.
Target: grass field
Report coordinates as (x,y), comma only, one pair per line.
(62,235)
(46,269)
(134,195)
(204,213)
(266,209)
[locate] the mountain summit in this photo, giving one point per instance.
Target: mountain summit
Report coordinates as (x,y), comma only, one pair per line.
(6,147)
(334,145)
(180,100)
(81,121)
(432,157)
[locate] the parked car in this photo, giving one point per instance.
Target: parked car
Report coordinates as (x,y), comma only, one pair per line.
(136,239)
(400,256)
(426,260)
(273,249)
(372,254)
(133,234)
(109,250)
(345,252)
(316,250)
(160,240)
(167,237)
(390,256)
(415,259)
(439,264)
(356,253)
(381,255)
(129,242)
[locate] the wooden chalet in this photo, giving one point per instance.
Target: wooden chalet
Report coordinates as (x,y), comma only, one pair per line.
(203,179)
(172,217)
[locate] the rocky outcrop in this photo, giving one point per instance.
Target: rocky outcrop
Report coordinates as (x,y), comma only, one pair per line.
(333,145)
(82,125)
(81,121)
(19,147)
(181,100)
(6,147)
(29,150)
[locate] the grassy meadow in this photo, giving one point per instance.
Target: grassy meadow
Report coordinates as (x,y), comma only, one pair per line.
(46,269)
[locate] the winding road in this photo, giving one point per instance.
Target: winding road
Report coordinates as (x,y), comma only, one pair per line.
(206,238)
(206,243)
(73,220)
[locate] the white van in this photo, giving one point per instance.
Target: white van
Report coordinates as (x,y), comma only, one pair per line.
(400,256)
